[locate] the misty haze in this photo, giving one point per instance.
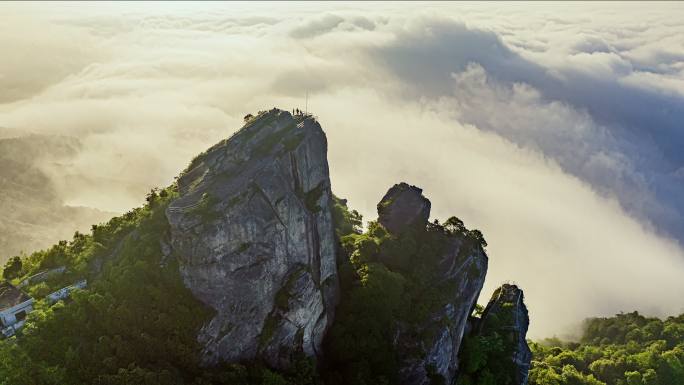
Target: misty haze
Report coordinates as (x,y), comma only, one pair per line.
(342,193)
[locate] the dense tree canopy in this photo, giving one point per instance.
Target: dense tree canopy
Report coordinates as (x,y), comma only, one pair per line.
(627,349)
(12,268)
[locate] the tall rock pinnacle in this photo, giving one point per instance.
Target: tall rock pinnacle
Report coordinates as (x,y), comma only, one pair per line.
(506,313)
(253,233)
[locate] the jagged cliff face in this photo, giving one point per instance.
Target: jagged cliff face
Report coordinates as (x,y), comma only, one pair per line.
(507,313)
(462,269)
(253,232)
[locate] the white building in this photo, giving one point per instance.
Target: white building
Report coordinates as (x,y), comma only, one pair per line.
(66,291)
(42,276)
(14,307)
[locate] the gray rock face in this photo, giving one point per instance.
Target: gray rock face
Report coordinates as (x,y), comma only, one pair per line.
(464,267)
(253,232)
(403,206)
(431,349)
(508,307)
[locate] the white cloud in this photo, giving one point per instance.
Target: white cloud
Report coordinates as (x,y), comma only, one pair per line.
(452,98)
(576,253)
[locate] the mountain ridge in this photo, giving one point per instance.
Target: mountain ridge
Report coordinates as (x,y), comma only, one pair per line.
(243,261)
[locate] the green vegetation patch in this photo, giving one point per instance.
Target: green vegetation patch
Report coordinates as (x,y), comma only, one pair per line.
(346,221)
(487,355)
(136,323)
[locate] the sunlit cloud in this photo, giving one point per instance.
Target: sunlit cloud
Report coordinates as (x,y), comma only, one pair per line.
(556,133)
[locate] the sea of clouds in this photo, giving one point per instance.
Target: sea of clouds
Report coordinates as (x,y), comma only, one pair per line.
(556,129)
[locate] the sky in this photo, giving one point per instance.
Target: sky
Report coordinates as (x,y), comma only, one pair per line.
(556,129)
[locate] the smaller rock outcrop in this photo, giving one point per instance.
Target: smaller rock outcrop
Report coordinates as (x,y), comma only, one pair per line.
(428,350)
(402,207)
(507,314)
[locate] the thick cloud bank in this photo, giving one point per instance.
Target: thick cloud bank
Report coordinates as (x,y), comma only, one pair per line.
(555,130)
(589,113)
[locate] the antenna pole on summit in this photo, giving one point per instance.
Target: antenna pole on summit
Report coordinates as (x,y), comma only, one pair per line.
(306,105)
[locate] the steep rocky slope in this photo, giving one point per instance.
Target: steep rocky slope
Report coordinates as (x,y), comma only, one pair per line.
(253,232)
(462,266)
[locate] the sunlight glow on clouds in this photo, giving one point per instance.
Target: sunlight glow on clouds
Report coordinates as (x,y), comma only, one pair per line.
(556,130)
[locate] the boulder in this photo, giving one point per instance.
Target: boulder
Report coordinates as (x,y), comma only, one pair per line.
(403,207)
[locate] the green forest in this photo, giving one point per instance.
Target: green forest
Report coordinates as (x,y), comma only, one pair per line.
(627,349)
(136,323)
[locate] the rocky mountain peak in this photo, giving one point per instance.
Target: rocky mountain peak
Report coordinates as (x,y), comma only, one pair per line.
(253,233)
